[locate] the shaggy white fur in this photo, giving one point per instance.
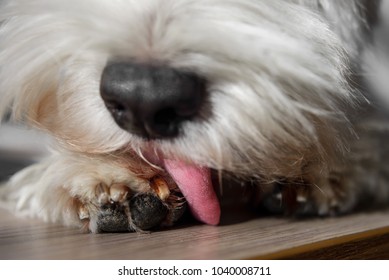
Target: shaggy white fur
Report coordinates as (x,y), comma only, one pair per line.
(282,104)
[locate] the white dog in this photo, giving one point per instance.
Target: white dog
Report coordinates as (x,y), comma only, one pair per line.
(148,99)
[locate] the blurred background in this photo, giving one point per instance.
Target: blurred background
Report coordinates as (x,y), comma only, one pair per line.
(19,147)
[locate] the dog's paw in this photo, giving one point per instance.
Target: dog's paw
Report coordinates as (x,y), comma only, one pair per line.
(117,208)
(328,197)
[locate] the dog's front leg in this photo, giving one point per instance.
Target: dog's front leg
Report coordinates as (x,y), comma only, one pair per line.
(98,194)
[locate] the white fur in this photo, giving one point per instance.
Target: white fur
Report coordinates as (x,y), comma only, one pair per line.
(57,58)
(277,73)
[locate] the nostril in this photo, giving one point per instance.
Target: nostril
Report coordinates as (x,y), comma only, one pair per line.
(165,122)
(165,117)
(115,108)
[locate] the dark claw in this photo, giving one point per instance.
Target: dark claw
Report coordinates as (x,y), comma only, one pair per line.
(272,201)
(147,211)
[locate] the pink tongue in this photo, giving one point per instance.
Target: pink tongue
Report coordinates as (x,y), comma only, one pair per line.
(196,185)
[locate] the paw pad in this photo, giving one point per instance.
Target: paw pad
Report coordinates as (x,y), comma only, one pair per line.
(118,209)
(147,211)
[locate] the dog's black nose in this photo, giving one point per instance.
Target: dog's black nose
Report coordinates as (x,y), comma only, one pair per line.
(152,101)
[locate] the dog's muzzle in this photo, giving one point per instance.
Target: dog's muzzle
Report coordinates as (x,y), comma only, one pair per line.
(151,101)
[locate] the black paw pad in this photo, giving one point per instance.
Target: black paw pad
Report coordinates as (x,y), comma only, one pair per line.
(147,211)
(112,218)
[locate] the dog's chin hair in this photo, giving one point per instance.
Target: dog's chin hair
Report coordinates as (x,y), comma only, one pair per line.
(272,106)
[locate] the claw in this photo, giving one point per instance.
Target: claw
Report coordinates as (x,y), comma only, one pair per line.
(301,198)
(102,193)
(119,192)
(159,185)
(278,196)
(83,213)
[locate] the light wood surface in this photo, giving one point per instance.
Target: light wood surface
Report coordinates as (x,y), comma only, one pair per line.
(249,238)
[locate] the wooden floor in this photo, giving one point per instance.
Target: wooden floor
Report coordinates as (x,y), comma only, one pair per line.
(358,236)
